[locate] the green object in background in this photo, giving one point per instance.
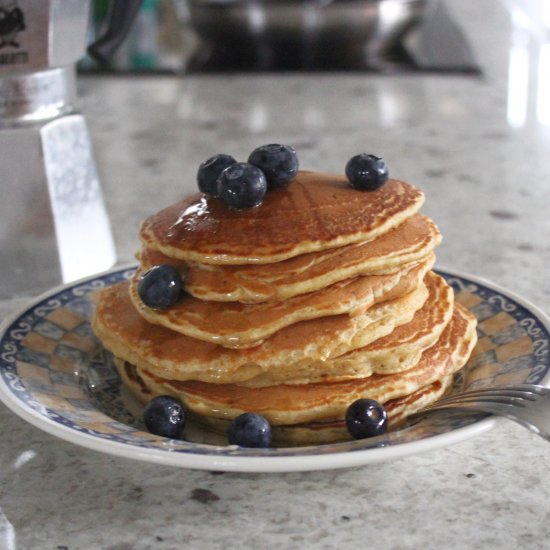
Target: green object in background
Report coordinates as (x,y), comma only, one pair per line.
(139,52)
(100,10)
(143,39)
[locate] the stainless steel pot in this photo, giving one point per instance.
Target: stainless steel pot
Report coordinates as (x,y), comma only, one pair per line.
(304,31)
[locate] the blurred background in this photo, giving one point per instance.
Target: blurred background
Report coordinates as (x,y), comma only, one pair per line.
(454,94)
(194,36)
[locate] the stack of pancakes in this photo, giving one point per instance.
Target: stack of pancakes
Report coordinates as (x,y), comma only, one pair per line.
(321,295)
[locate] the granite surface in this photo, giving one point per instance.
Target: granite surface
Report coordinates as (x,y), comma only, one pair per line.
(486,174)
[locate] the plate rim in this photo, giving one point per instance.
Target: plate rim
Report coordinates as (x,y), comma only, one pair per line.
(252,464)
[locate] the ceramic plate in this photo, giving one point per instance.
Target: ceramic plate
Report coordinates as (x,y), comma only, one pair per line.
(55,374)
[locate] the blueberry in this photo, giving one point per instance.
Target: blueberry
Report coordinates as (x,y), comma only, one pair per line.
(164,415)
(242,186)
(366,418)
(249,430)
(367,172)
(279,163)
(210,170)
(160,287)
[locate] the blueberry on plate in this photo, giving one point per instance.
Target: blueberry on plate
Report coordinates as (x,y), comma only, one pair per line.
(165,416)
(160,287)
(210,170)
(366,418)
(279,163)
(249,430)
(366,172)
(242,186)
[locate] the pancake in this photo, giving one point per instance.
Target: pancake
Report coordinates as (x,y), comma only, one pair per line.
(317,433)
(411,241)
(315,212)
(288,404)
(236,325)
(398,351)
(331,432)
(174,356)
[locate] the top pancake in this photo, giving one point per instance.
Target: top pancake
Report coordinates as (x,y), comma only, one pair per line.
(314,212)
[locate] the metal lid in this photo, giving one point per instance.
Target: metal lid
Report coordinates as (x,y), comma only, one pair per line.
(39,96)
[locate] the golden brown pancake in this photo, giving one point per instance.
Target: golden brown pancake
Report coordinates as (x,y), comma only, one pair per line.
(297,404)
(175,356)
(316,433)
(236,325)
(398,351)
(288,404)
(411,241)
(314,212)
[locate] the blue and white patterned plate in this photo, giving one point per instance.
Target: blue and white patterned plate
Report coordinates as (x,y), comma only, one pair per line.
(55,374)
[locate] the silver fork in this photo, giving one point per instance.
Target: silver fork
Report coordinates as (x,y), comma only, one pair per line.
(525,403)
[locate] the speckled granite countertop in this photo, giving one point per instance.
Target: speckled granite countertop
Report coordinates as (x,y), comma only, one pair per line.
(478,150)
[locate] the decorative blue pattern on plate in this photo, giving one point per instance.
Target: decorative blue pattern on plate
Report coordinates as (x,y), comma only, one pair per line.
(55,374)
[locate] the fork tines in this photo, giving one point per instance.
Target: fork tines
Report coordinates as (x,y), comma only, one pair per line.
(506,394)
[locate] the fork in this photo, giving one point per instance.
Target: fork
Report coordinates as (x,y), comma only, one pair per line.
(527,404)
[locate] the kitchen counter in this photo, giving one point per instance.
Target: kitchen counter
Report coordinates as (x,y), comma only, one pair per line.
(478,146)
